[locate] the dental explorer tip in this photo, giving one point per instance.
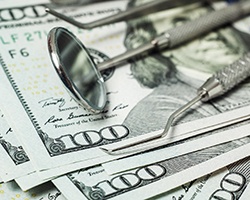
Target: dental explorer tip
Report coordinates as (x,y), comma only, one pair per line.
(108,151)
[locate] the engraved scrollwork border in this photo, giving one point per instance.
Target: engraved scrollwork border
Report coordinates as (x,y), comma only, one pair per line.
(54,146)
(17,154)
(89,192)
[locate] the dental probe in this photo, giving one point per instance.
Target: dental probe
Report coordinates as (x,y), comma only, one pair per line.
(217,85)
(145,9)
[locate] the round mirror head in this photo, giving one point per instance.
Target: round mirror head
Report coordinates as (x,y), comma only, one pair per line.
(76,69)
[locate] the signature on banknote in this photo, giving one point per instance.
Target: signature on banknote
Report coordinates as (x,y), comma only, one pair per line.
(52,102)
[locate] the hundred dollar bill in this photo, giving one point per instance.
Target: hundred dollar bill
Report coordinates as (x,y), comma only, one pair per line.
(153,179)
(54,130)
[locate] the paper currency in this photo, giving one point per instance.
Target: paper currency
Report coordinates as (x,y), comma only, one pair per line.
(148,181)
(183,147)
(59,128)
(55,131)
(13,160)
(227,183)
(15,164)
(31,180)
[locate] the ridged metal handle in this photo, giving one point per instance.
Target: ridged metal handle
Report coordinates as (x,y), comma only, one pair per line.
(235,73)
(204,24)
(227,78)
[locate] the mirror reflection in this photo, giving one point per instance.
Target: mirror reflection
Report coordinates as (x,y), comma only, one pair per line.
(76,69)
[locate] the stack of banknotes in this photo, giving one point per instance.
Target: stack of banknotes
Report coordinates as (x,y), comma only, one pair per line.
(50,146)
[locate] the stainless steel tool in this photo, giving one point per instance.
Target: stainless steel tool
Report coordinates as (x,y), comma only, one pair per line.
(217,85)
(145,9)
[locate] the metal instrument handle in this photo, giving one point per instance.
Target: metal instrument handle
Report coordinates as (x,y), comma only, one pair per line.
(226,78)
(203,25)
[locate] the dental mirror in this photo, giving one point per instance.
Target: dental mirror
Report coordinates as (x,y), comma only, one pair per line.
(77,69)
